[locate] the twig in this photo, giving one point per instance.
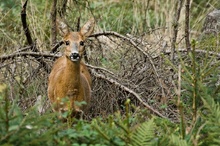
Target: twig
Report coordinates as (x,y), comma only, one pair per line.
(31,76)
(167,52)
(137,47)
(33,54)
(195,79)
(178,6)
(53,15)
(55,47)
(24,23)
(62,10)
(139,41)
(188,46)
(180,104)
(4,65)
(127,90)
(29,39)
(99,68)
(23,49)
(78,24)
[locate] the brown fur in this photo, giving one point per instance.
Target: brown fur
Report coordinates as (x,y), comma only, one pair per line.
(70,81)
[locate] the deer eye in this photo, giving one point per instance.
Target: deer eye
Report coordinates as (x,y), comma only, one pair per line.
(67,43)
(81,43)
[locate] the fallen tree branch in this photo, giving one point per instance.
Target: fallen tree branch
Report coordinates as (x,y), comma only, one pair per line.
(53,14)
(55,47)
(167,52)
(33,54)
(178,7)
(211,53)
(127,90)
(106,33)
(24,24)
(4,65)
(23,49)
(29,39)
(99,68)
(187,25)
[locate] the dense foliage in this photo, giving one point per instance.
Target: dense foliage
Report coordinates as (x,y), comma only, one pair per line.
(196,92)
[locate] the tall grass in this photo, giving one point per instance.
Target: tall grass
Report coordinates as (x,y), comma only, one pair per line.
(151,21)
(135,17)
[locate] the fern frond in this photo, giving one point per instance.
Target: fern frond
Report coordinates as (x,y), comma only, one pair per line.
(176,140)
(144,134)
(212,118)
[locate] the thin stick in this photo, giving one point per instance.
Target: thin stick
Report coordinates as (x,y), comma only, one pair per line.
(178,6)
(55,47)
(99,68)
(33,54)
(127,90)
(53,15)
(130,40)
(29,39)
(24,24)
(187,38)
(180,104)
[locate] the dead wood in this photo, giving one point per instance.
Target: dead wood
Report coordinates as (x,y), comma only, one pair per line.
(56,47)
(178,7)
(28,36)
(187,26)
(25,26)
(53,15)
(36,55)
(123,70)
(122,87)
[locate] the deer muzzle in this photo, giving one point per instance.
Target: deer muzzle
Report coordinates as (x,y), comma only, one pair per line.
(74,56)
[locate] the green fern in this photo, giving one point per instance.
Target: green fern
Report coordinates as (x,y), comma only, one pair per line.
(177,141)
(211,116)
(144,134)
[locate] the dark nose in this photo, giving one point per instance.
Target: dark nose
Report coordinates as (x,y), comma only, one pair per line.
(74,56)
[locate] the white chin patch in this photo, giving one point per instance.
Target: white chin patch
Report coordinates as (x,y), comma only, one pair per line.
(74,59)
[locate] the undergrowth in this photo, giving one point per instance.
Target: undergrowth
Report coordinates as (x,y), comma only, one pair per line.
(133,17)
(197,99)
(199,124)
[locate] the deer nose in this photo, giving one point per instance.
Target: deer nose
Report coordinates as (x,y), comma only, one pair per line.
(74,56)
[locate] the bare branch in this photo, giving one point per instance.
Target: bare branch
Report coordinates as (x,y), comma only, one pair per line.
(24,24)
(55,47)
(53,23)
(187,39)
(29,39)
(23,49)
(33,54)
(78,24)
(178,7)
(211,53)
(62,10)
(99,68)
(127,90)
(137,47)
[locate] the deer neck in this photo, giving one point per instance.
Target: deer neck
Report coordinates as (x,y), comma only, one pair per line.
(72,73)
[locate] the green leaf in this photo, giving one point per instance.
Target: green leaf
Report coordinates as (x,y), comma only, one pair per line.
(144,134)
(13,127)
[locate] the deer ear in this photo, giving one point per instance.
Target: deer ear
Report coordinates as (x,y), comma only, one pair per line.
(88,28)
(62,27)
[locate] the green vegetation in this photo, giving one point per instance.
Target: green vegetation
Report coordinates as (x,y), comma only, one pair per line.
(195,92)
(19,128)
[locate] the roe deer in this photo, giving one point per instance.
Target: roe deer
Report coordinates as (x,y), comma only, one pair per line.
(69,80)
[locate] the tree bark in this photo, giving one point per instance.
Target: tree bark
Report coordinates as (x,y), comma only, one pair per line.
(187,27)
(29,39)
(178,8)
(24,24)
(53,23)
